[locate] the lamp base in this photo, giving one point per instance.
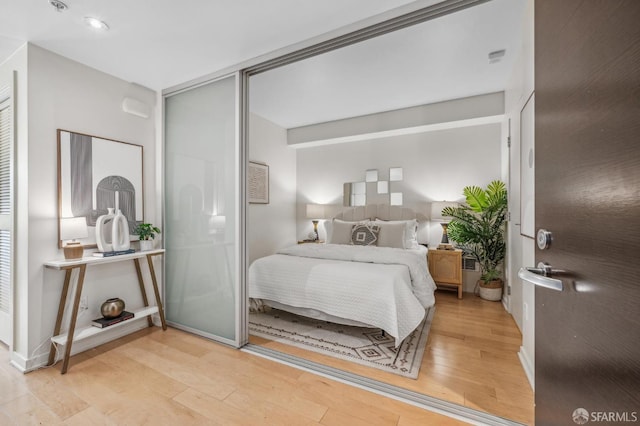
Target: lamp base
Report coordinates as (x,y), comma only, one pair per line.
(73,251)
(444,243)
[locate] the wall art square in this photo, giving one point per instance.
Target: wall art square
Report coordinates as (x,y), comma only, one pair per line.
(91,171)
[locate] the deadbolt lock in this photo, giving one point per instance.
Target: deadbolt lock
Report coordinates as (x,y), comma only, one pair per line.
(543,239)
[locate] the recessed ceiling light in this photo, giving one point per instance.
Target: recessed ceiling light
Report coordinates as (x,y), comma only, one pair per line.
(496,56)
(58,5)
(95,23)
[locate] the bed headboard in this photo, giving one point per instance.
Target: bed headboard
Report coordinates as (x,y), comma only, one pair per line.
(381,211)
(387,212)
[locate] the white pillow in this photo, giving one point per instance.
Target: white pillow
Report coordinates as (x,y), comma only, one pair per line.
(410,231)
(391,234)
(339,231)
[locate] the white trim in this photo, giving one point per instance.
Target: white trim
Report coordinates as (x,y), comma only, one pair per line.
(528,367)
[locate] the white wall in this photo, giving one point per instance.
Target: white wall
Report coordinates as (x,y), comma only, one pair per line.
(520,249)
(68,95)
(436,165)
(272,226)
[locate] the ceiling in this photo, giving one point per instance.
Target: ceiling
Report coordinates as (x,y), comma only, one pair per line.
(445,58)
(174,42)
(162,43)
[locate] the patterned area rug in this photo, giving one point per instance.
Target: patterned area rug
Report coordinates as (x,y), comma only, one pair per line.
(366,346)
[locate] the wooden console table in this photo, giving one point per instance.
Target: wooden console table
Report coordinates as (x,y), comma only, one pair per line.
(72,334)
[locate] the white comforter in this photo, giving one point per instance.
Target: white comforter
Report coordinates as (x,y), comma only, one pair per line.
(380,286)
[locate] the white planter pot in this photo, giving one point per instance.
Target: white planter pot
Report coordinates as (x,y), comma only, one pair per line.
(489,293)
(146,245)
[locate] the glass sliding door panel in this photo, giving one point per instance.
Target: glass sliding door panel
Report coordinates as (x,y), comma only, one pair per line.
(202,209)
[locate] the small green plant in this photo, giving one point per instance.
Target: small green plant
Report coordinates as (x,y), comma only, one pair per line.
(146,231)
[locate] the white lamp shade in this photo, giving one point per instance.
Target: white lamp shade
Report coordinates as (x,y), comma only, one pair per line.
(436,210)
(315,211)
(73,227)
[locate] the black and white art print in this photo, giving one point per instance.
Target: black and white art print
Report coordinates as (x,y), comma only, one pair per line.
(91,171)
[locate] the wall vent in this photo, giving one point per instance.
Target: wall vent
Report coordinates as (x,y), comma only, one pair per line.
(469,264)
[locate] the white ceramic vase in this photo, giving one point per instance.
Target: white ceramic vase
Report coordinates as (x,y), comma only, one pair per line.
(104,226)
(120,232)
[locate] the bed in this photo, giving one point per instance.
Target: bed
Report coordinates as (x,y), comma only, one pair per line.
(381,281)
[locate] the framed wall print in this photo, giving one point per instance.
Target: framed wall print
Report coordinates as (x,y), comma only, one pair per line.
(258,183)
(91,172)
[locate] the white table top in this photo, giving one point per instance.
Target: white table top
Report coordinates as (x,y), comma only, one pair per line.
(94,260)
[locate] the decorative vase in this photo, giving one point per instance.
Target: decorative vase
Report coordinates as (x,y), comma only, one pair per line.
(146,245)
(104,226)
(112,307)
(120,229)
(120,232)
(491,291)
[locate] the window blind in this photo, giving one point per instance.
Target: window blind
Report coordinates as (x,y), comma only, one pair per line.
(5,200)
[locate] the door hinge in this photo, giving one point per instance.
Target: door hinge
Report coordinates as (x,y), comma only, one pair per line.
(508,290)
(509,141)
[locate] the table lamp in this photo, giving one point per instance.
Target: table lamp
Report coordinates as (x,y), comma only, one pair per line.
(315,212)
(72,228)
(436,216)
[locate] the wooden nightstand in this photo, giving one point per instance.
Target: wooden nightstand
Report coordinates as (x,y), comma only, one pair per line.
(445,266)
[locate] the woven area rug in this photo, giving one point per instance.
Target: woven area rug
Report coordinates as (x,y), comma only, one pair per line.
(366,346)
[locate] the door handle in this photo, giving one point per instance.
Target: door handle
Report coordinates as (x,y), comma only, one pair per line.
(540,276)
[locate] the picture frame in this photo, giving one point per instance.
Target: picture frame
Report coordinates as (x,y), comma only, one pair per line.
(258,183)
(91,170)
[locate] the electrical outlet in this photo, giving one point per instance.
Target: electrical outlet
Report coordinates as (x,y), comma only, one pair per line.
(84,303)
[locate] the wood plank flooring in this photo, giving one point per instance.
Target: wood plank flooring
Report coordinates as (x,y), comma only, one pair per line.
(175,378)
(471,359)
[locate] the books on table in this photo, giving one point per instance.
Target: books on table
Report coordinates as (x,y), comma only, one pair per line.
(113,253)
(106,322)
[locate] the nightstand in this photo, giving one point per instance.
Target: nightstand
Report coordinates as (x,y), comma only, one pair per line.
(445,266)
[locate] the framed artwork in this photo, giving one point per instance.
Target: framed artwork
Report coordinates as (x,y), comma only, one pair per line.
(258,183)
(527,169)
(91,172)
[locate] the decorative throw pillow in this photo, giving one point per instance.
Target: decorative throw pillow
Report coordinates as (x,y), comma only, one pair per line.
(339,231)
(391,235)
(410,233)
(365,235)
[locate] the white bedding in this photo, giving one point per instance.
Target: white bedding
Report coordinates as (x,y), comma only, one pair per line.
(384,287)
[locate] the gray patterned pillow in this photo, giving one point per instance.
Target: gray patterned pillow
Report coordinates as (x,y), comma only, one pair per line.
(365,234)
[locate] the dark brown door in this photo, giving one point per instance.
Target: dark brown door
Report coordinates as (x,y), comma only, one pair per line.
(587,176)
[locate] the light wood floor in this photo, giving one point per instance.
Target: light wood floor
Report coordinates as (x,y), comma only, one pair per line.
(471,359)
(174,378)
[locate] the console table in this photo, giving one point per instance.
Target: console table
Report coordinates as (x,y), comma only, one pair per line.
(72,334)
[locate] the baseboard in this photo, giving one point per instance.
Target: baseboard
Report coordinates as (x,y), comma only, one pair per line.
(506,303)
(528,366)
(19,362)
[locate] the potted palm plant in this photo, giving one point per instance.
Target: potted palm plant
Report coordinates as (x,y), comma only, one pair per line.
(478,228)
(146,232)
